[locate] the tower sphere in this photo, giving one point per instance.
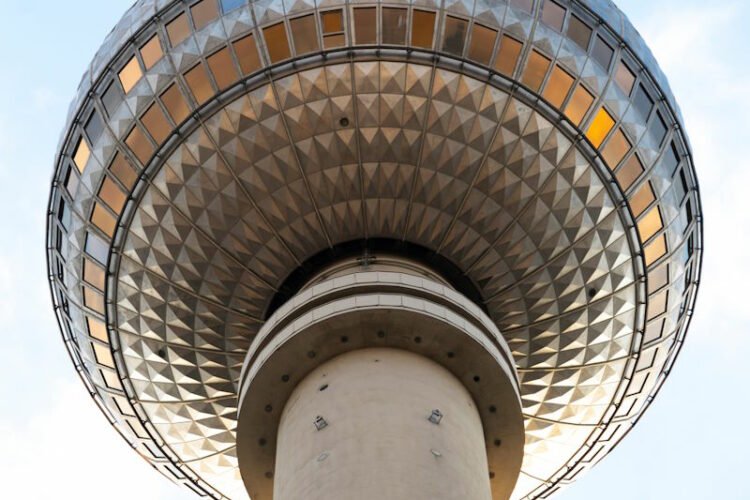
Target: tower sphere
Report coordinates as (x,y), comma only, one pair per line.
(502,188)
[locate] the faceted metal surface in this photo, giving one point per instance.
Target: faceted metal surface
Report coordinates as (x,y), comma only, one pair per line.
(423,146)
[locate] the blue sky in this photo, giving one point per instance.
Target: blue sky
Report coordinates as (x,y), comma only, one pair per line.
(57,444)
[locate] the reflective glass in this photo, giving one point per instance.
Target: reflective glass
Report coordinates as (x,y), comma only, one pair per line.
(624,78)
(276,42)
(112,195)
(156,123)
(97,248)
(112,98)
(523,4)
(93,300)
(103,355)
(222,68)
(93,274)
(558,86)
(227,5)
(178,30)
(579,104)
(630,171)
(365,24)
(247,54)
(658,277)
(103,220)
(657,129)
(642,199)
(139,145)
(600,127)
(332,22)
(616,149)
(650,224)
(94,127)
(97,329)
(536,68)
(122,170)
(655,250)
(130,74)
(81,155)
(553,15)
(394,26)
(200,86)
(579,32)
(151,52)
(507,55)
(643,102)
(304,34)
(602,52)
(203,13)
(332,41)
(455,35)
(482,44)
(422,29)
(175,104)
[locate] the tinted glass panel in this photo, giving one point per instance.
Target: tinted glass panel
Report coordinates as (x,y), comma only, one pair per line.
(523,4)
(94,127)
(650,224)
(602,53)
(616,148)
(658,129)
(600,127)
(579,32)
(507,55)
(178,30)
(200,86)
(151,52)
(536,68)
(156,123)
(642,199)
(139,145)
(643,102)
(112,195)
(630,171)
(579,105)
(103,219)
(130,74)
(277,42)
(247,54)
(394,26)
(304,34)
(553,15)
(222,68)
(558,87)
(624,78)
(203,13)
(422,29)
(455,35)
(655,250)
(333,22)
(112,98)
(482,44)
(227,5)
(81,155)
(122,170)
(365,24)
(175,104)
(97,248)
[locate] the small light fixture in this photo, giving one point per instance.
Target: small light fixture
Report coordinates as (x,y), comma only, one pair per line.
(320,423)
(435,417)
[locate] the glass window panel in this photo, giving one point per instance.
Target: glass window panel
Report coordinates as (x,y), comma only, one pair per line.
(247,54)
(200,86)
(93,300)
(455,35)
(151,52)
(112,195)
(671,159)
(558,87)
(553,15)
(332,41)
(304,34)
(650,224)
(97,248)
(112,98)
(600,127)
(175,104)
(122,170)
(579,105)
(81,155)
(655,250)
(658,129)
(103,219)
(227,5)
(579,32)
(394,26)
(97,329)
(333,21)
(130,74)
(103,355)
(616,149)
(624,78)
(71,183)
(156,123)
(657,305)
(365,24)
(507,55)
(643,102)
(222,68)
(653,331)
(94,127)
(178,30)
(536,68)
(93,274)
(422,29)
(110,379)
(139,145)
(630,171)
(658,277)
(482,44)
(602,52)
(642,199)
(203,13)
(276,42)
(523,4)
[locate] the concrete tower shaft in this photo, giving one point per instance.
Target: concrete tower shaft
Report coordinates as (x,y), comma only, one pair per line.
(379,380)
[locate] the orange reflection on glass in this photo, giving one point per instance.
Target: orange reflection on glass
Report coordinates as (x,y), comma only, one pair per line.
(139,145)
(112,195)
(122,170)
(178,30)
(93,300)
(97,329)
(507,55)
(650,224)
(175,103)
(455,35)
(630,171)
(222,68)
(103,219)
(642,199)
(200,86)
(482,44)
(151,52)
(655,250)
(658,277)
(579,104)
(103,355)
(616,149)
(156,123)
(332,22)
(422,29)
(247,54)
(624,78)
(81,155)
(130,74)
(365,25)
(394,26)
(558,87)
(203,13)
(600,127)
(93,274)
(276,42)
(536,68)
(304,34)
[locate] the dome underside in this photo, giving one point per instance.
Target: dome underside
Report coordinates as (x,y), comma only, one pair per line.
(161,287)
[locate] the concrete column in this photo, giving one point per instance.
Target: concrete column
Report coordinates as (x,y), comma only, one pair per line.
(358,427)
